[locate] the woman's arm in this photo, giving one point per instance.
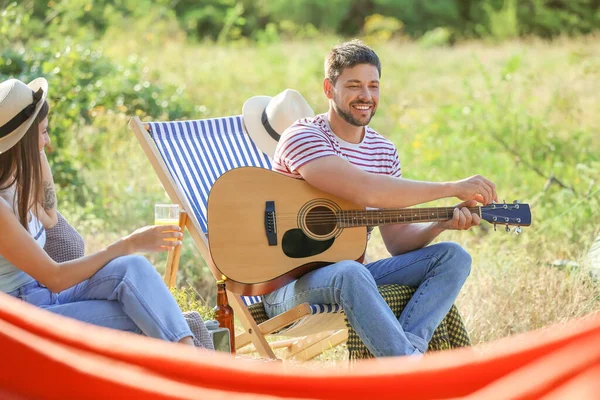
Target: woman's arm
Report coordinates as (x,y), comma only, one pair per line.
(46,206)
(21,250)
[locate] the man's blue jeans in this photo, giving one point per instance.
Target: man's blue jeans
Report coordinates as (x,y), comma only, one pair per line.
(127,294)
(437,271)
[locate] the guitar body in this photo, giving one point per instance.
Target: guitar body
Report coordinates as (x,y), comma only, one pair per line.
(267,229)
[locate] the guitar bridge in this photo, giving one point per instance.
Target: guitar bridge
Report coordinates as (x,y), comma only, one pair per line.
(270,223)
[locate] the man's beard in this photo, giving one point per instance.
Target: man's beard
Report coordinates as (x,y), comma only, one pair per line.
(347,115)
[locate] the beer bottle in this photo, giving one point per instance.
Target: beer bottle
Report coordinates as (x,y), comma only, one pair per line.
(224,313)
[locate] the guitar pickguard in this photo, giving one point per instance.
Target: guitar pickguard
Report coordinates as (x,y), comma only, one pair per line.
(295,244)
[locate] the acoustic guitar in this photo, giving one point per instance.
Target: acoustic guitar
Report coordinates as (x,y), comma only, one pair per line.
(266,229)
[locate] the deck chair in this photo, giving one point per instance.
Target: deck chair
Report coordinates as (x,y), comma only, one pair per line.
(188,157)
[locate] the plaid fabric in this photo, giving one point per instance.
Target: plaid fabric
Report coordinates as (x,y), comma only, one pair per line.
(451,333)
(257,310)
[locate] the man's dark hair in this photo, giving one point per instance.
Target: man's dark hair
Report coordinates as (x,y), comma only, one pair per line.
(348,55)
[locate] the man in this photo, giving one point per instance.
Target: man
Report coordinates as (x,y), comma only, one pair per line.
(339,153)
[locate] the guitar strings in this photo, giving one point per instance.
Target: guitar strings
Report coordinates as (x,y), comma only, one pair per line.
(328,218)
(387,210)
(359,214)
(378,212)
(374,217)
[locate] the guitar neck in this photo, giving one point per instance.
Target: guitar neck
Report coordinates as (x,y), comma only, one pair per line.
(356,218)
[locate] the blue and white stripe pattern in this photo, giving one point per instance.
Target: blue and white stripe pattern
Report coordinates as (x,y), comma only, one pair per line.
(249,300)
(314,308)
(198,152)
(325,308)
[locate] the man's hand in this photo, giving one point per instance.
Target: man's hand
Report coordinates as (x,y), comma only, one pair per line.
(462,218)
(476,188)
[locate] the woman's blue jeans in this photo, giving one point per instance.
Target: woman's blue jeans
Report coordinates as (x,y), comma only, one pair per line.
(437,271)
(127,294)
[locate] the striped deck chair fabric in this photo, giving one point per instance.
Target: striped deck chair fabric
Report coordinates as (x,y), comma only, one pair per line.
(197,153)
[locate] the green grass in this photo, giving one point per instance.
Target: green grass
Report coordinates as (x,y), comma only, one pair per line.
(525,114)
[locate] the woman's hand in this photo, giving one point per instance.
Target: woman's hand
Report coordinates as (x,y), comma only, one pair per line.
(154,238)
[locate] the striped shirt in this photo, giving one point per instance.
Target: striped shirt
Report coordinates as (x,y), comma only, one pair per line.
(311,138)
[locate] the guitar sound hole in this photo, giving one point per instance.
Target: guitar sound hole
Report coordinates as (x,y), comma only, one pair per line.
(321,221)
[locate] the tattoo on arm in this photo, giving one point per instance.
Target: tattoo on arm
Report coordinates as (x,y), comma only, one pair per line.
(49,201)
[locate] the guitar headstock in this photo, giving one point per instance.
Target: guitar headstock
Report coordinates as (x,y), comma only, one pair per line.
(515,214)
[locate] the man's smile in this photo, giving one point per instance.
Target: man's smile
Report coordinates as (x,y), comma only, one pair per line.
(362,107)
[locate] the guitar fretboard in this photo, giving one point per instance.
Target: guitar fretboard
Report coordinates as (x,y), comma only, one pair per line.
(355,218)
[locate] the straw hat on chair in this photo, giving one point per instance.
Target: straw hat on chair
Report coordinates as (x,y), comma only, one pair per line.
(267,117)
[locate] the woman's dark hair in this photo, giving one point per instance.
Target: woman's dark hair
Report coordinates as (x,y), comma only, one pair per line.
(20,167)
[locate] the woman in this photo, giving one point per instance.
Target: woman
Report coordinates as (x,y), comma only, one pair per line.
(112,287)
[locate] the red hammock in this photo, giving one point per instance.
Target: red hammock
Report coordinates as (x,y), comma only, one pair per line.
(48,356)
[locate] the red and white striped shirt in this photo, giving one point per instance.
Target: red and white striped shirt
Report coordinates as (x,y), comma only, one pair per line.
(311,138)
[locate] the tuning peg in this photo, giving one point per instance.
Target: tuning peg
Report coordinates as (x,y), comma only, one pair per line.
(517,230)
(516,202)
(494,227)
(507,229)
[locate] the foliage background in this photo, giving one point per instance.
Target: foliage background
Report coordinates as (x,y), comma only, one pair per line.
(509,89)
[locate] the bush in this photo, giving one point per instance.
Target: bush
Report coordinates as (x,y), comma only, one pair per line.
(188,300)
(234,20)
(502,24)
(509,18)
(84,84)
(325,15)
(435,38)
(380,28)
(91,97)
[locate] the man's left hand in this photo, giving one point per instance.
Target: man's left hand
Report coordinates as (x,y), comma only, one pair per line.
(463,218)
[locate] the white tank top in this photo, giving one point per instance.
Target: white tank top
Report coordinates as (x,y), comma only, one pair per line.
(11,277)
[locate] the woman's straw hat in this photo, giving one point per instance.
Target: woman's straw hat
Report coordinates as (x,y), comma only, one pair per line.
(19,105)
